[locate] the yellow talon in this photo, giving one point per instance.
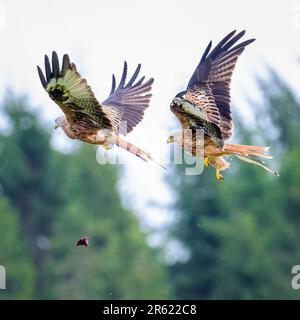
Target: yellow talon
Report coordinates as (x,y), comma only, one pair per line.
(218,175)
(206,161)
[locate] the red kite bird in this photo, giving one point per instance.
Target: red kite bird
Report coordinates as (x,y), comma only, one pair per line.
(205,105)
(88,120)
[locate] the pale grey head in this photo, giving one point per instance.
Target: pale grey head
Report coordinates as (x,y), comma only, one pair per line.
(59,122)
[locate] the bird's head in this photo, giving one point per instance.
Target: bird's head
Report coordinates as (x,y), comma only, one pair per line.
(177,101)
(171,139)
(175,137)
(59,122)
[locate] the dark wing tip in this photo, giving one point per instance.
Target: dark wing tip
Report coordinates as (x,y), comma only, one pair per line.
(125,68)
(251,40)
(73,66)
(134,76)
(139,82)
(230,34)
(54,53)
(151,81)
(66,63)
(247,42)
(227,37)
(123,77)
(42,78)
(55,64)
(113,84)
(206,51)
(47,68)
(241,46)
(218,48)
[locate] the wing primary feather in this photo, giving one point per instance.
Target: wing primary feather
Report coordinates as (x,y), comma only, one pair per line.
(215,69)
(235,39)
(65,63)
(55,64)
(206,52)
(150,81)
(241,45)
(136,72)
(113,84)
(42,78)
(47,68)
(73,66)
(215,51)
(123,78)
(139,82)
(141,88)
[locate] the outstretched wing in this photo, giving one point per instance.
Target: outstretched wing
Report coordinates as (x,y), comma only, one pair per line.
(194,117)
(129,99)
(72,94)
(211,81)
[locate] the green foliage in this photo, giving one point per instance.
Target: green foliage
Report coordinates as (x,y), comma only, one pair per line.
(14,255)
(118,259)
(49,200)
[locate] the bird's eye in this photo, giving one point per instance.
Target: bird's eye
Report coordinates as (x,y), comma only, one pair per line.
(177,101)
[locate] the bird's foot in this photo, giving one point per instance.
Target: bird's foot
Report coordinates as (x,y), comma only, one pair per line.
(206,161)
(218,175)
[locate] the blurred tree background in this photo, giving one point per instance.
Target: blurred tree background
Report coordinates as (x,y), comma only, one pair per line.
(48,200)
(241,235)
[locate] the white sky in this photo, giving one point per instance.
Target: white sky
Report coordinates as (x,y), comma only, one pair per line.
(167,37)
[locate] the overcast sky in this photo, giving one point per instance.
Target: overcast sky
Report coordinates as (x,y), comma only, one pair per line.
(167,37)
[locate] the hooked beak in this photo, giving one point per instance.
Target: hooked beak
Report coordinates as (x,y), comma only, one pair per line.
(170,139)
(56,126)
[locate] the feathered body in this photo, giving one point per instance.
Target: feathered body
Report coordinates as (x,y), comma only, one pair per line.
(205,106)
(88,120)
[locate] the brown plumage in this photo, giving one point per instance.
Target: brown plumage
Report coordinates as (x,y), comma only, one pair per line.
(205,105)
(84,117)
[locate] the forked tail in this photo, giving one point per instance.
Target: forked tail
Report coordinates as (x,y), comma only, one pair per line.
(134,150)
(246,154)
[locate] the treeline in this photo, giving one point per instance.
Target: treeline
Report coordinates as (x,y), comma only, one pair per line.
(47,201)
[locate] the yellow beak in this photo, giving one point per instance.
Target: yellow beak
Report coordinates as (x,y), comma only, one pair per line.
(56,126)
(170,140)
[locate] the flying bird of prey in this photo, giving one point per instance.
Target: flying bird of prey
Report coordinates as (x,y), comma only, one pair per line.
(88,120)
(205,106)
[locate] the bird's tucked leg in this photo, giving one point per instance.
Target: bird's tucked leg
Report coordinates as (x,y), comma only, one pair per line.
(219,176)
(219,164)
(206,161)
(104,138)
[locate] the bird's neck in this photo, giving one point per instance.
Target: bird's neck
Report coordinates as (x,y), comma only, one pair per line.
(68,130)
